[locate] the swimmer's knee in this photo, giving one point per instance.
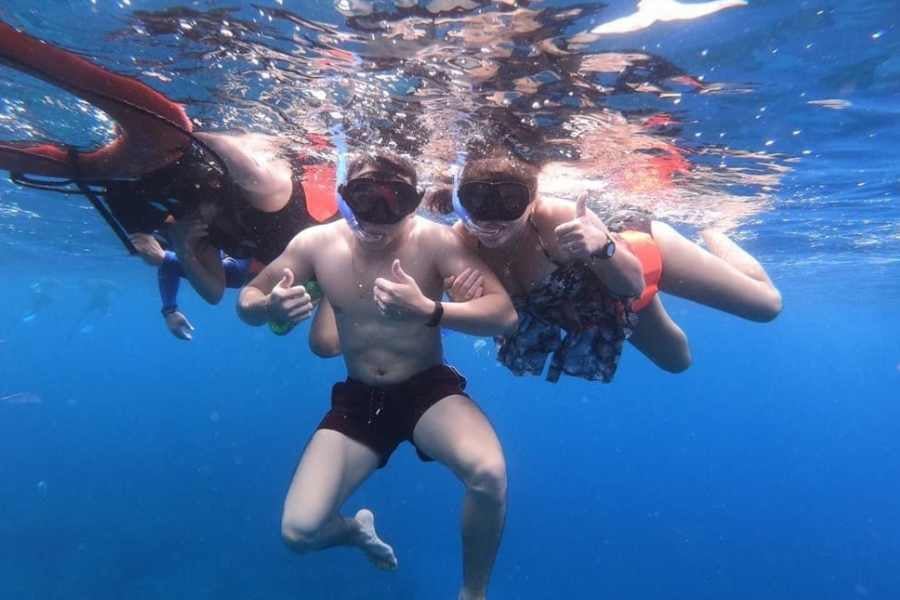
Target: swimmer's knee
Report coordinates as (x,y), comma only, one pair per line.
(679,364)
(487,478)
(764,307)
(676,356)
(771,308)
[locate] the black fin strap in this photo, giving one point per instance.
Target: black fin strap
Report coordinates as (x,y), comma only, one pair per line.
(46,185)
(99,205)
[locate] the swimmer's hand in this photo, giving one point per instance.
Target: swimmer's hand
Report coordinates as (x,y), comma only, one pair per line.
(401,299)
(466,286)
(148,248)
(186,234)
(288,304)
(584,235)
(179,325)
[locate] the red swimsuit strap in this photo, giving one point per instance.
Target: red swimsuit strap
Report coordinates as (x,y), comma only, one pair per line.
(319,189)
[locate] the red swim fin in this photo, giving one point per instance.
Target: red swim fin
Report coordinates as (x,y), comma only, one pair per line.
(35,158)
(154,129)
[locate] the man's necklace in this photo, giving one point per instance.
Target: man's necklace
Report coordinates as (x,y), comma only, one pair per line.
(357,277)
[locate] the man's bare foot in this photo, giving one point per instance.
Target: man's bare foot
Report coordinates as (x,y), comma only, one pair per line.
(467,595)
(381,555)
(722,246)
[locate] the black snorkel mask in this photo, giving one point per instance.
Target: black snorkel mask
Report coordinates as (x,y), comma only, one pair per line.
(380,201)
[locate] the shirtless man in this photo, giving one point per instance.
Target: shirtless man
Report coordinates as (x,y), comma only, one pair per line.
(382,271)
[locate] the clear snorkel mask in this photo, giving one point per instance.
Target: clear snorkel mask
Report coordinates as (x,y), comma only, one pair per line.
(340,178)
(460,210)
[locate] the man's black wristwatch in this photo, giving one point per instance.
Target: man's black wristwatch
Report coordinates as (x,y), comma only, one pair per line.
(436,315)
(606,251)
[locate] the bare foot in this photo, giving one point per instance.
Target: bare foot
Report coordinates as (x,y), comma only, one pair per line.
(381,555)
(722,246)
(465,595)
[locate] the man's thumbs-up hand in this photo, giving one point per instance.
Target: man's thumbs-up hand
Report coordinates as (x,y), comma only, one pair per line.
(400,297)
(288,304)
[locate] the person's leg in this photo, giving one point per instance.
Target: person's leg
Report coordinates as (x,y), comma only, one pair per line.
(726,278)
(660,339)
(332,467)
(456,433)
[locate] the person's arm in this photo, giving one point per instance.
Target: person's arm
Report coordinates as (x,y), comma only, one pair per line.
(201,262)
(490,314)
(272,295)
(622,274)
(169,276)
(584,236)
(324,340)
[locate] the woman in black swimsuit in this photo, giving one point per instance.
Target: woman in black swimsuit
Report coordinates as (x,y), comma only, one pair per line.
(214,192)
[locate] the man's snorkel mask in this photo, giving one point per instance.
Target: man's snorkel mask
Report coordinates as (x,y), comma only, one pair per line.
(340,178)
(379,201)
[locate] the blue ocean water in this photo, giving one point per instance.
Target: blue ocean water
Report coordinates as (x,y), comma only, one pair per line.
(138,466)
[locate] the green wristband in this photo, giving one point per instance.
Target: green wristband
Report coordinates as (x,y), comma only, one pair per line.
(280,328)
(313,289)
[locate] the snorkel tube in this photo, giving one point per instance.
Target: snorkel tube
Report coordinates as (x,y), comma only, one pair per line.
(340,178)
